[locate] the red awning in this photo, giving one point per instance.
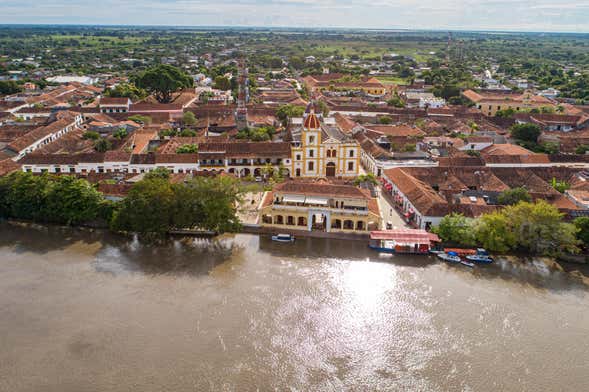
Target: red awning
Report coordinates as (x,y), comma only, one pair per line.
(405,235)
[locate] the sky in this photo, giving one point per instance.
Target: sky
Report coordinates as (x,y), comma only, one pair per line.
(510,15)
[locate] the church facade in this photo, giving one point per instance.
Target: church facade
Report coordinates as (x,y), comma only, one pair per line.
(322,149)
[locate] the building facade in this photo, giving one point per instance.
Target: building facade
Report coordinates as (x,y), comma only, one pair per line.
(320,206)
(323,150)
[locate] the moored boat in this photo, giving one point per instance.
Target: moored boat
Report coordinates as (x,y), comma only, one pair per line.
(450,257)
(482,259)
(467,263)
(481,256)
(283,238)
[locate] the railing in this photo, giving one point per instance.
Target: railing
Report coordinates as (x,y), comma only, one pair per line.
(340,211)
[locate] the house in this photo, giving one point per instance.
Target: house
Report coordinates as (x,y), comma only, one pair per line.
(554,122)
(320,206)
(321,149)
(491,102)
(65,122)
(340,83)
(477,143)
(114,105)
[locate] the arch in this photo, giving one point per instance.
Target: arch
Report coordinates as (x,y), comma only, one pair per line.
(245,172)
(349,224)
(257,171)
(231,171)
(302,221)
(336,224)
(267,219)
(329,153)
(330,169)
(334,153)
(360,225)
(278,220)
(298,172)
(290,220)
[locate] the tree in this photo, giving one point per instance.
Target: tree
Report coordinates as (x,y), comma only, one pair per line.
(582,224)
(9,87)
(90,135)
(162,81)
(140,119)
(120,133)
(560,186)
(494,232)
(147,209)
(582,149)
(385,120)
(187,149)
(222,83)
(126,90)
(526,132)
(513,196)
(456,229)
(102,145)
(188,133)
(285,112)
(189,119)
(539,228)
(366,179)
(72,201)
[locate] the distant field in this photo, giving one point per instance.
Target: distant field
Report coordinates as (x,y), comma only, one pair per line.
(392,80)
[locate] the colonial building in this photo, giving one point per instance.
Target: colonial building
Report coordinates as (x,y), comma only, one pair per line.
(490,103)
(320,206)
(321,149)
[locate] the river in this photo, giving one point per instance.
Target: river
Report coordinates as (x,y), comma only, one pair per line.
(89,311)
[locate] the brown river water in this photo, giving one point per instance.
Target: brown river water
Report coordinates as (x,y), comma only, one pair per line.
(88,311)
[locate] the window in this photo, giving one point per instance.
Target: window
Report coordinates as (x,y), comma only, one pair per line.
(298,157)
(311,166)
(351,153)
(329,153)
(350,165)
(311,139)
(333,153)
(311,153)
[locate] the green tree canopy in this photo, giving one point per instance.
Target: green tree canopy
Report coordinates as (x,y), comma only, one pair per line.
(456,229)
(514,196)
(189,119)
(162,81)
(539,228)
(126,90)
(222,83)
(494,232)
(187,149)
(526,132)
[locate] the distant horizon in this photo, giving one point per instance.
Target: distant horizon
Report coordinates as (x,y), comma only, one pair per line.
(525,16)
(325,28)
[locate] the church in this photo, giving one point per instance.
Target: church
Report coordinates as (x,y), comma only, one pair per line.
(321,149)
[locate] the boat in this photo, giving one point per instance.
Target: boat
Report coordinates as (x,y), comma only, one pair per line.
(481,256)
(482,259)
(283,238)
(467,263)
(451,257)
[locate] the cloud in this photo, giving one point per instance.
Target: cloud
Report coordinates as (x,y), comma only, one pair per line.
(524,15)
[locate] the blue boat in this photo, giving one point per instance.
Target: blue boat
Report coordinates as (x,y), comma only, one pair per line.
(451,257)
(481,257)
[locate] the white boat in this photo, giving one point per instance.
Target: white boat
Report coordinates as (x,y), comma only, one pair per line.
(283,238)
(451,257)
(467,263)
